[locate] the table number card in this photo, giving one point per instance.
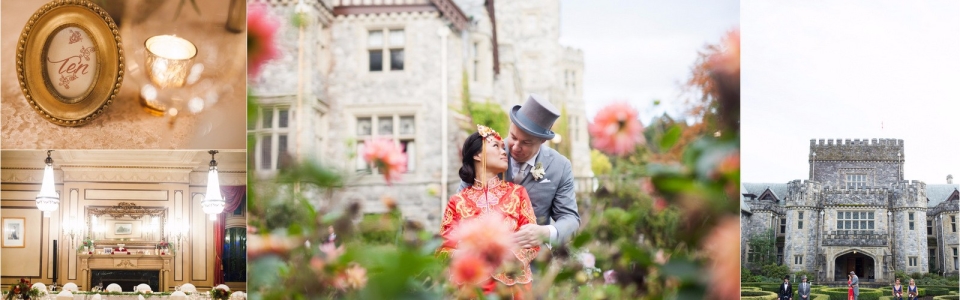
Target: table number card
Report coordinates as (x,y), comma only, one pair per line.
(70,61)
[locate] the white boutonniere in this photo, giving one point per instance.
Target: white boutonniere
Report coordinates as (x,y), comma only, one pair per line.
(538,171)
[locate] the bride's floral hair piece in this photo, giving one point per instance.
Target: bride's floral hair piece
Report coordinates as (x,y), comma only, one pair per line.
(488,133)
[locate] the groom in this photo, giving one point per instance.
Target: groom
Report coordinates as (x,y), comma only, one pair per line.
(543,172)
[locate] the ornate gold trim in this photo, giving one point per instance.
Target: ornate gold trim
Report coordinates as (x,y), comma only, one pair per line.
(126,262)
(34,41)
(128,209)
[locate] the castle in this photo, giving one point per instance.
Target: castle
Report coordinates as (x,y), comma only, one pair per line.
(856,212)
(352,70)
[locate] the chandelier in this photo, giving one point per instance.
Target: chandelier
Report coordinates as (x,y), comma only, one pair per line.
(48,200)
(213,202)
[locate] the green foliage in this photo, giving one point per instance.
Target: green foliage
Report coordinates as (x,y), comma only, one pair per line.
(798,276)
(757,295)
(562,128)
(939,290)
(491,115)
(763,248)
(946,297)
(750,288)
(599,163)
(814,296)
(775,271)
(379,229)
(865,293)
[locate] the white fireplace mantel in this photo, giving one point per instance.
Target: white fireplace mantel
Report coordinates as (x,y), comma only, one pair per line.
(162,263)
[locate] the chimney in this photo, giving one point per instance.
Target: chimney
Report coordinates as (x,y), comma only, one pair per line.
(949,179)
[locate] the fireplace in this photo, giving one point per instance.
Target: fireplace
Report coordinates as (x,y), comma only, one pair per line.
(126,270)
(127,279)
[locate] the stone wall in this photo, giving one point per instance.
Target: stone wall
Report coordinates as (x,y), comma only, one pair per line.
(356,92)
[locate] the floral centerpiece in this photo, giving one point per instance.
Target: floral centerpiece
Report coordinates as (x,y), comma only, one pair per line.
(22,290)
(87,245)
(166,248)
(220,292)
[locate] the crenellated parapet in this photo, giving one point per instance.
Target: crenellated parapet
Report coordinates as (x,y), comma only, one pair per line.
(856,150)
(804,193)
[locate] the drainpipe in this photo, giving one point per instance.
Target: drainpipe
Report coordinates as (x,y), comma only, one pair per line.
(443,32)
(942,250)
(820,241)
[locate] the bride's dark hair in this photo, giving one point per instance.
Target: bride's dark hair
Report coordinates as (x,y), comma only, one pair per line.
(471,147)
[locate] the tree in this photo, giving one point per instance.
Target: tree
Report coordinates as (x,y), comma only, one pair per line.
(762,249)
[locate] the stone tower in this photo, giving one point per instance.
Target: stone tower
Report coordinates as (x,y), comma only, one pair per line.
(856,162)
(803,226)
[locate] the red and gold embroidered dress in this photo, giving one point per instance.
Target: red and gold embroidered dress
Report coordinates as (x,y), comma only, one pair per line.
(502,197)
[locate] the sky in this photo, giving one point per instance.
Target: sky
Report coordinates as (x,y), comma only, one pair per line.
(848,70)
(640,51)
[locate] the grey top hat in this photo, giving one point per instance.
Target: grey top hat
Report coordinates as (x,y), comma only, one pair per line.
(535,117)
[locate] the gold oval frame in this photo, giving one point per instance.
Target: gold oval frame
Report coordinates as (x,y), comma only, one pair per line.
(34,42)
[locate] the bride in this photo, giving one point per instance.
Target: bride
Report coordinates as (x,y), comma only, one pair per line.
(484,158)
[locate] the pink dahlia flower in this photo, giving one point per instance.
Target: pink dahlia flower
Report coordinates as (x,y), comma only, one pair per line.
(387,157)
(616,129)
(261,44)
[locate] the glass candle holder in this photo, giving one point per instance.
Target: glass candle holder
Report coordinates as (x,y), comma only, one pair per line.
(169,60)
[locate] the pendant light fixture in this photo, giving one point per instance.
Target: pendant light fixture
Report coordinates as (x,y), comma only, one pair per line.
(213,202)
(48,200)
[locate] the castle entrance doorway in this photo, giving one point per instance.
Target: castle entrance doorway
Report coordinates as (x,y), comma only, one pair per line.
(857,262)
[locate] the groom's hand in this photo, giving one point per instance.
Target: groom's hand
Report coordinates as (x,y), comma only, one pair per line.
(531,235)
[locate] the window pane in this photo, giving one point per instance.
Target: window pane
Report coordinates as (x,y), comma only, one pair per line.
(282,154)
(870,215)
(863,224)
(870,224)
(396,59)
(911,216)
(839,215)
(856,225)
(410,149)
(839,225)
(800,215)
(385,126)
(846,215)
(361,165)
(375,39)
(376,60)
(267,118)
(396,38)
(846,225)
(364,126)
(284,118)
(266,145)
(407,125)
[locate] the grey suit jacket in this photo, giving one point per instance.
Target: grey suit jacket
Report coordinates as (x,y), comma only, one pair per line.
(855,282)
(804,290)
(552,196)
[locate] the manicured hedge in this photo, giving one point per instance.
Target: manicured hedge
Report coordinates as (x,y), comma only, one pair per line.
(757,295)
(769,287)
(947,297)
(815,296)
(749,288)
(938,290)
(841,293)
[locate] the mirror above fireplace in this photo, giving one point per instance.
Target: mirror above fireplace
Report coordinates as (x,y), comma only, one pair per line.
(126,223)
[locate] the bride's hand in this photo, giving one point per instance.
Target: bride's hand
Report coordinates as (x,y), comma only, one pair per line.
(530,235)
